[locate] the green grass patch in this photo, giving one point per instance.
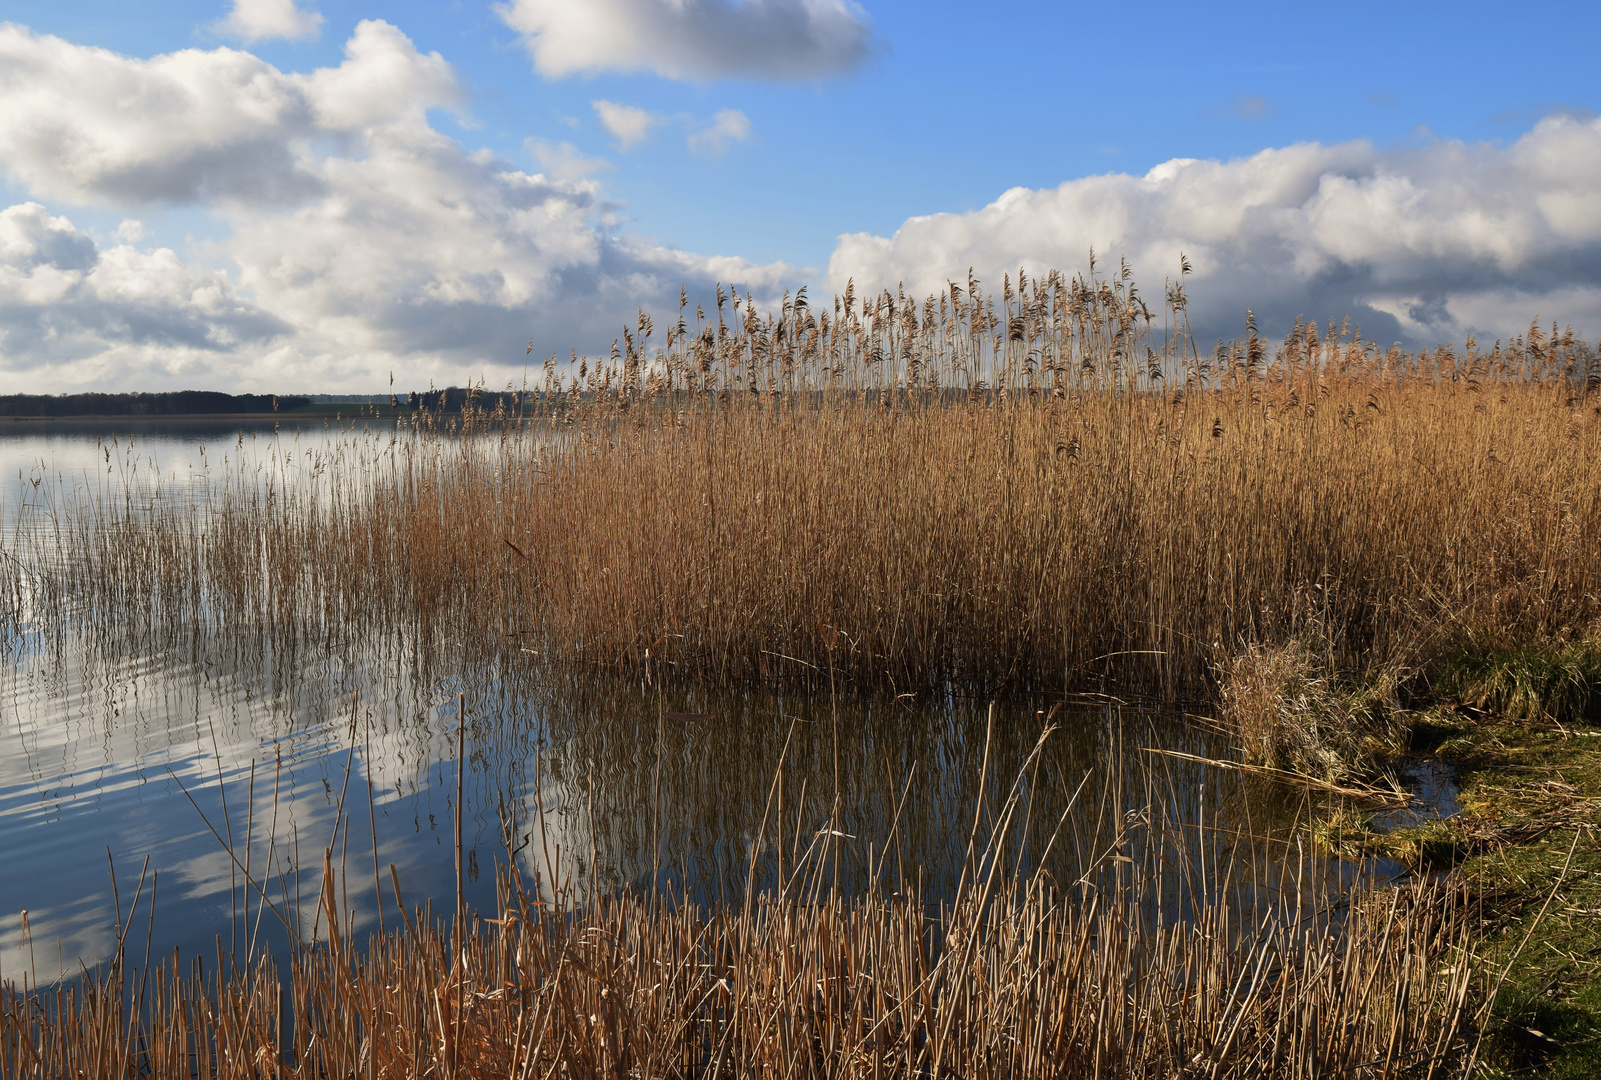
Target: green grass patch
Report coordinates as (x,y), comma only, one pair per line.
(1561,684)
(1528,840)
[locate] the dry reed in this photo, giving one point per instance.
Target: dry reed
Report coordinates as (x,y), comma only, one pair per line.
(1155,964)
(1045,489)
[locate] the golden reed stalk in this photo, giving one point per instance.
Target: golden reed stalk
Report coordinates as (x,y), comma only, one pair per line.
(1047,490)
(1197,956)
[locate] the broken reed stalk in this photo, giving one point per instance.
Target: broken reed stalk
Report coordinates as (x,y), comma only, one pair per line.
(1036,489)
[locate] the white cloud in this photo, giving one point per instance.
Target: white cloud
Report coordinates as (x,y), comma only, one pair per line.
(215,127)
(630,126)
(358,238)
(260,20)
(384,81)
(627,124)
(443,258)
(564,161)
(71,313)
(31,239)
(1420,244)
(87,125)
(695,40)
(727,127)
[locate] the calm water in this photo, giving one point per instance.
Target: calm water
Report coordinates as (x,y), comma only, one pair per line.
(119,746)
(50,468)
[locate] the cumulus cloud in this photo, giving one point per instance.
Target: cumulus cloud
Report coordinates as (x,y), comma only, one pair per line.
(564,161)
(695,40)
(361,239)
(1420,244)
(260,20)
(627,124)
(445,258)
(383,82)
(213,127)
(72,313)
(727,127)
(87,125)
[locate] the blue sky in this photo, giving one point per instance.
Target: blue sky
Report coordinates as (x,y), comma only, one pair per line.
(1431,169)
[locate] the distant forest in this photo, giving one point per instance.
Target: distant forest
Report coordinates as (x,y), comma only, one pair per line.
(211,403)
(176,403)
(455,398)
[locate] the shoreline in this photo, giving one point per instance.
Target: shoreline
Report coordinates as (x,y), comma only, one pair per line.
(267,418)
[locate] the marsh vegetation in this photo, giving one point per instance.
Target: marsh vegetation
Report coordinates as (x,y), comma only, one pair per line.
(1049,496)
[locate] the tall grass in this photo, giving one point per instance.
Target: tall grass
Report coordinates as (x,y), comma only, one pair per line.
(867,988)
(1053,488)
(1178,952)
(1048,488)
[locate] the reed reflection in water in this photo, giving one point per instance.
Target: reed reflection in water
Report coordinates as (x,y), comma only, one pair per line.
(142,742)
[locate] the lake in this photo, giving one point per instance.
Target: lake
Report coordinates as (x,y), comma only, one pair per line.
(208,755)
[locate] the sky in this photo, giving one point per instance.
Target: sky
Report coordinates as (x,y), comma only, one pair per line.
(318,195)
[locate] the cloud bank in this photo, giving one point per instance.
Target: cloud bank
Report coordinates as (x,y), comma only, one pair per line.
(362,240)
(358,239)
(694,40)
(77,312)
(1421,245)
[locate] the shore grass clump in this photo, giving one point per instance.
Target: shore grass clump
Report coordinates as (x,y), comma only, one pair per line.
(1290,710)
(1528,680)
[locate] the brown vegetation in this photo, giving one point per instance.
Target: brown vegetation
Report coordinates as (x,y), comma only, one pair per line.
(1052,488)
(1195,955)
(1042,489)
(1031,988)
(1290,710)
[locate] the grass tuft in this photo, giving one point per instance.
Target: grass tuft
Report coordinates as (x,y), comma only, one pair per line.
(1528,681)
(1291,711)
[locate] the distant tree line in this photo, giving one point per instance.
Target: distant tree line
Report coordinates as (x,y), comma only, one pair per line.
(208,402)
(175,403)
(455,398)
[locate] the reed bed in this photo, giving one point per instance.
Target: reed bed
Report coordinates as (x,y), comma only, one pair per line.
(1030,988)
(1048,488)
(1191,956)
(1052,488)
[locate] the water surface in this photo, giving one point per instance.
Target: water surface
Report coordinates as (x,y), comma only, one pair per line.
(231,749)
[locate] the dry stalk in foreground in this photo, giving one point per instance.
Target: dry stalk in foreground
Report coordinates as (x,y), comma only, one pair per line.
(1028,987)
(1160,966)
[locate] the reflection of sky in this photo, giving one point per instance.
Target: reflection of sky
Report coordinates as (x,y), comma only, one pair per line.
(95,724)
(84,767)
(104,721)
(49,470)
